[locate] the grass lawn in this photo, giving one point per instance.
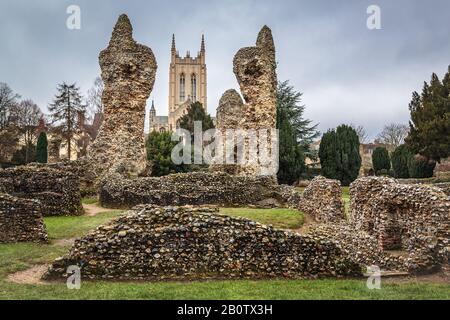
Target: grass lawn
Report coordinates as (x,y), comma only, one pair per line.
(71,227)
(19,257)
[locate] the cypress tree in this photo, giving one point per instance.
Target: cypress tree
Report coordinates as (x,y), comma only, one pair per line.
(328,155)
(41,148)
(339,154)
(381,160)
(349,159)
(420,167)
(400,158)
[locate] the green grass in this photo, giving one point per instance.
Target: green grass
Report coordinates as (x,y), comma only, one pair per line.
(279,218)
(89,200)
(18,257)
(70,227)
(232,290)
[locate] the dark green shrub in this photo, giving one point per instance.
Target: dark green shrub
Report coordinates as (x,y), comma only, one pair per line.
(400,158)
(339,154)
(420,167)
(381,160)
(41,148)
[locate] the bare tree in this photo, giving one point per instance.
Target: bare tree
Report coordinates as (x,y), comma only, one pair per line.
(361,132)
(9,138)
(393,134)
(94,96)
(8,100)
(26,116)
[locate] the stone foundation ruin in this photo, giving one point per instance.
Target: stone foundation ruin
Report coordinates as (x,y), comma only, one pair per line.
(128,73)
(57,189)
(255,71)
(322,199)
(21,220)
(185,243)
(415,218)
(195,188)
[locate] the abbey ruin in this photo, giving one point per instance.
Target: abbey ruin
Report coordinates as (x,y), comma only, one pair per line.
(128,72)
(173,230)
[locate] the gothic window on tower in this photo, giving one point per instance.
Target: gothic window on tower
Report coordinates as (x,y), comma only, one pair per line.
(182,88)
(194,87)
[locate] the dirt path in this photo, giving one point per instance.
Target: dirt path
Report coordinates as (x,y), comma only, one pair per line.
(64,242)
(94,209)
(32,275)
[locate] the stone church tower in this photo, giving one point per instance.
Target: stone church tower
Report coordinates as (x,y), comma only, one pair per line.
(187,82)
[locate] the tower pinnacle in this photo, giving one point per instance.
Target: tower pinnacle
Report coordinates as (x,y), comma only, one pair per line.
(202,48)
(174,49)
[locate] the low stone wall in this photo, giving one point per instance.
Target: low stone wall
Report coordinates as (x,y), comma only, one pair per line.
(21,220)
(196,188)
(58,190)
(79,168)
(359,245)
(186,243)
(415,218)
(322,199)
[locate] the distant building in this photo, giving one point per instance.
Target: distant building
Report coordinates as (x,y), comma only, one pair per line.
(187,84)
(84,134)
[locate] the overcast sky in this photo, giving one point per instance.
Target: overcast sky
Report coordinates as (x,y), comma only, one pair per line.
(347,73)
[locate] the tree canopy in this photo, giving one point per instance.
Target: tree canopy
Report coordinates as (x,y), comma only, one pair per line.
(339,154)
(429,133)
(295,134)
(64,110)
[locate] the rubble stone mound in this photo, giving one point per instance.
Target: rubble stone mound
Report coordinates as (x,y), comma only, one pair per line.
(414,218)
(21,220)
(322,199)
(195,188)
(255,70)
(189,243)
(57,189)
(128,73)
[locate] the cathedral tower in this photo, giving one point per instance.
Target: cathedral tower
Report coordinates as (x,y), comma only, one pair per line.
(187,82)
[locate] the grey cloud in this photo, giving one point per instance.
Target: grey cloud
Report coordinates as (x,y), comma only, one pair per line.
(346,72)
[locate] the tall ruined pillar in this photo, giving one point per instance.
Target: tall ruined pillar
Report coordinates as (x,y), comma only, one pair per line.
(128,73)
(255,70)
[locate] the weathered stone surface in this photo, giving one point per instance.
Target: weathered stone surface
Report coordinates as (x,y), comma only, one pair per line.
(185,243)
(322,199)
(128,73)
(21,220)
(56,188)
(255,70)
(229,119)
(415,218)
(444,186)
(194,188)
(230,111)
(359,245)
